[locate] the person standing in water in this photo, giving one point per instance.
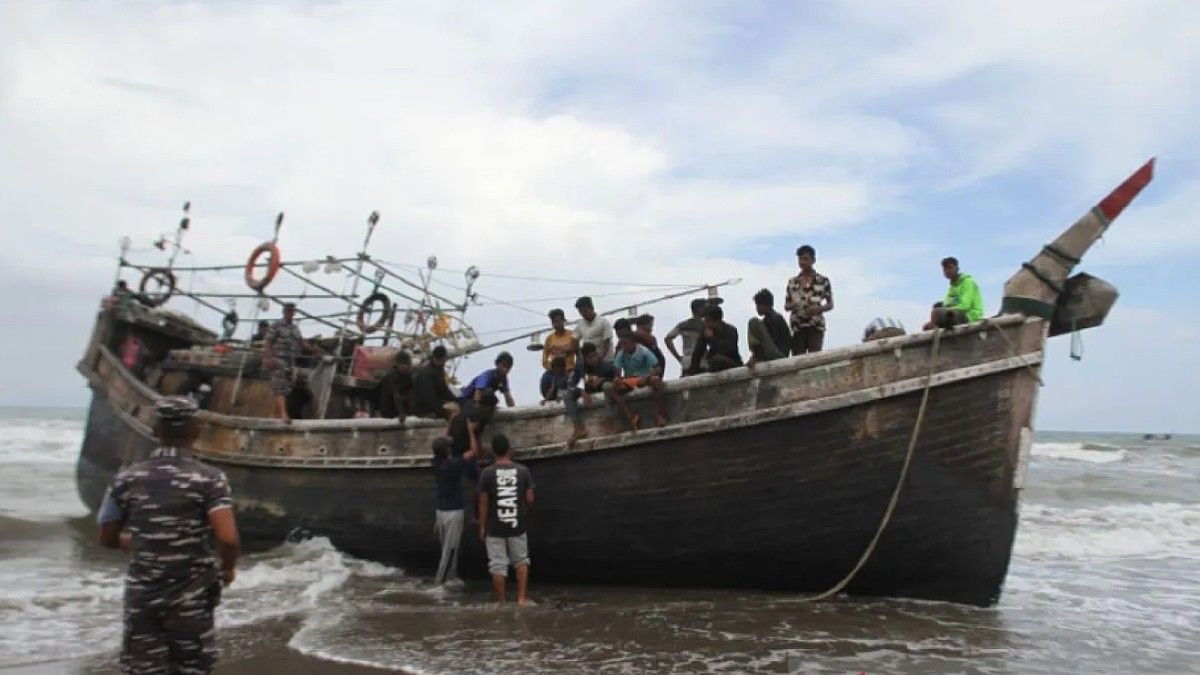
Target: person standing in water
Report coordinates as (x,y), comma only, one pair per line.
(505,497)
(448,472)
(165,509)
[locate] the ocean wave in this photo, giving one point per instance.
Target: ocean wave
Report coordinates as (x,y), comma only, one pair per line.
(40,441)
(1130,530)
(58,610)
(1097,453)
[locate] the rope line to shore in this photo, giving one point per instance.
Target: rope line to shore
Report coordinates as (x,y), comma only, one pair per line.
(891,507)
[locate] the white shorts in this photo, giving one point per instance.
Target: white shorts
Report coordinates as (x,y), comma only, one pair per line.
(505,551)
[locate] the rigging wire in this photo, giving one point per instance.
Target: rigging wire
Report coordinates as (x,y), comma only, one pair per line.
(518,277)
(573,297)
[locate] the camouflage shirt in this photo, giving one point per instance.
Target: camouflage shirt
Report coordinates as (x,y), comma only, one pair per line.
(285,343)
(164,502)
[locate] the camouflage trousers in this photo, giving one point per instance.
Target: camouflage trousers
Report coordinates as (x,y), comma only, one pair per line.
(169,633)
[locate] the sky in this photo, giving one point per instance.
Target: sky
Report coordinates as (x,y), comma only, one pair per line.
(625,142)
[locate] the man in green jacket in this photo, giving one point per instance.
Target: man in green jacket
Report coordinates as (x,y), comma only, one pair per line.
(963,302)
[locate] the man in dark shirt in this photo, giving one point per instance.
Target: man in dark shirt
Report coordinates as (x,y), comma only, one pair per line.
(718,342)
(431,396)
(592,372)
(448,473)
(505,495)
(396,389)
(769,337)
(467,427)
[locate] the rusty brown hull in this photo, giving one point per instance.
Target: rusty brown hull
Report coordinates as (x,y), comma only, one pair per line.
(774,480)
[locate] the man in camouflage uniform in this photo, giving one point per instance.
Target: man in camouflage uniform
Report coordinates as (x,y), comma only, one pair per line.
(165,510)
(280,350)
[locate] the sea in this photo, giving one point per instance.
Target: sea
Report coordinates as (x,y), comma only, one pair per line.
(1105,578)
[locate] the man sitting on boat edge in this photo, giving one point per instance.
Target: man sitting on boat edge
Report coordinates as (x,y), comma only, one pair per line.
(963,302)
(769,338)
(718,343)
(638,368)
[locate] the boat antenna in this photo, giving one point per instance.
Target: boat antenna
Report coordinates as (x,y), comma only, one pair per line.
(372,221)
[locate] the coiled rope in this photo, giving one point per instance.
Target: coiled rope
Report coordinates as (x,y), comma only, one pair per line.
(891,507)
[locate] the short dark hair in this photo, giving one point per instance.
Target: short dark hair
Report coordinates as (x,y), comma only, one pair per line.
(121,283)
(504,359)
(714,312)
(950,260)
(500,445)
(807,249)
(488,399)
(558,362)
(289,305)
(764,297)
(644,320)
(441,445)
(439,352)
(403,358)
(584,301)
(698,305)
(557,313)
(588,348)
(621,326)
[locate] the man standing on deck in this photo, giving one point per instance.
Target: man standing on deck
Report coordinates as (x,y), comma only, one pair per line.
(505,495)
(165,509)
(448,477)
(809,297)
(280,351)
(431,395)
(963,302)
(689,330)
(593,328)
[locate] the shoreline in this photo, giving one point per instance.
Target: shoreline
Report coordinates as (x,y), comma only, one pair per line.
(242,650)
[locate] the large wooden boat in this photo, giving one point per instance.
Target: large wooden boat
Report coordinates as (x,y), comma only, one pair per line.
(772,478)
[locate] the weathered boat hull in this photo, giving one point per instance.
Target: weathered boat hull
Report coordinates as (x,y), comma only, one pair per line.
(784,496)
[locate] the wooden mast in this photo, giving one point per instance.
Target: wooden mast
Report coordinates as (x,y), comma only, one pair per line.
(1035,289)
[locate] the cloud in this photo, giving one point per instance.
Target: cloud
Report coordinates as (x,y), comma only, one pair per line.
(657,142)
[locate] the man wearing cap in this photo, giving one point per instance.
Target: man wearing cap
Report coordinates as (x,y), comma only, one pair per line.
(281,348)
(809,296)
(593,328)
(165,509)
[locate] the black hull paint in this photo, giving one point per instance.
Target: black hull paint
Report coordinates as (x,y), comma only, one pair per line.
(785,505)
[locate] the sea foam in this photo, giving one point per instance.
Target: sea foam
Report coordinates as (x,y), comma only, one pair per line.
(1128,530)
(1096,453)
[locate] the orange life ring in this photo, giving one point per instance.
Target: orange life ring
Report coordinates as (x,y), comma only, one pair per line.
(273,261)
(367,307)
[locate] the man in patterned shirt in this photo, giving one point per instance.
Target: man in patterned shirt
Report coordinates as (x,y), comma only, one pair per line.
(165,509)
(809,296)
(281,348)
